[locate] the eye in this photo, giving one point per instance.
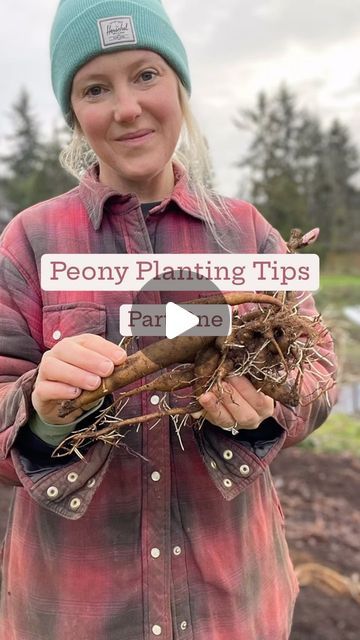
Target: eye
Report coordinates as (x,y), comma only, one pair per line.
(148,75)
(94,91)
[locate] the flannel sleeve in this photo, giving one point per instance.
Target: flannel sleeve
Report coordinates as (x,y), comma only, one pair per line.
(21,349)
(20,353)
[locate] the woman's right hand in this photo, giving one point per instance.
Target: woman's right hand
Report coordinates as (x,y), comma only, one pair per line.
(72,365)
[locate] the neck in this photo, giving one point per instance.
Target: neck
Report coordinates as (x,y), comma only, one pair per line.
(147,189)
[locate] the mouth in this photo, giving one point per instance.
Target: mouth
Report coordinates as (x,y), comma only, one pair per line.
(136,136)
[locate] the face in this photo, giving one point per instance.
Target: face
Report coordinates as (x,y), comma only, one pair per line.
(127,106)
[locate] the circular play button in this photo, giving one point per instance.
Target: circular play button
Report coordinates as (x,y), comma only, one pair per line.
(167,309)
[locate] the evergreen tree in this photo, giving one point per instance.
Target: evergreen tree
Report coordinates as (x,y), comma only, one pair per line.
(300,174)
(24,156)
(337,212)
(31,170)
(281,158)
(24,142)
(51,179)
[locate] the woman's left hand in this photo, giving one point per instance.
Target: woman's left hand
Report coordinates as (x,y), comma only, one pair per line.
(238,405)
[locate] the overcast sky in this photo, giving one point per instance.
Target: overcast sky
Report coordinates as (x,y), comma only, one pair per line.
(236,48)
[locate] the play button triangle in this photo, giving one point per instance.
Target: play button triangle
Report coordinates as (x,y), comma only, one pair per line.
(178,320)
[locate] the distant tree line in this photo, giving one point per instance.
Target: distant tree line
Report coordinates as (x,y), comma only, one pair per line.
(29,168)
(301,174)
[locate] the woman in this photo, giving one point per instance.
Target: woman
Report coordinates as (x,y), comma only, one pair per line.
(169,543)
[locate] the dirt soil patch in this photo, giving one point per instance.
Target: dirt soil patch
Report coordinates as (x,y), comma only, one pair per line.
(320,497)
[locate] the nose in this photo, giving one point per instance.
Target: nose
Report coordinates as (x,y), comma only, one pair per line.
(126,106)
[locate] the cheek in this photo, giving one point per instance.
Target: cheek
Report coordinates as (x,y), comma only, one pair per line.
(178,120)
(166,106)
(171,115)
(92,122)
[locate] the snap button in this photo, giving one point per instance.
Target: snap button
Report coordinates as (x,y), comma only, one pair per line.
(90,483)
(75,504)
(155,476)
(155,399)
(155,552)
(56,335)
(156,629)
(52,492)
(183,625)
(176,551)
(244,470)
(227,455)
(72,477)
(227,483)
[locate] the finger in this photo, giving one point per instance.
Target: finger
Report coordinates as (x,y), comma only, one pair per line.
(92,348)
(240,386)
(82,357)
(59,371)
(47,397)
(46,391)
(104,347)
(245,415)
(100,344)
(215,411)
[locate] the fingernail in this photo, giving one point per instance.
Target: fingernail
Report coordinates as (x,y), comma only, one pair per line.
(106,367)
(93,381)
(119,355)
(76,391)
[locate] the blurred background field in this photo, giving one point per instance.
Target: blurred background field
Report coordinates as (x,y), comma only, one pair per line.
(340,434)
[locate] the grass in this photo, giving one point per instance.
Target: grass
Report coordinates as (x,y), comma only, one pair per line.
(339,434)
(339,280)
(338,290)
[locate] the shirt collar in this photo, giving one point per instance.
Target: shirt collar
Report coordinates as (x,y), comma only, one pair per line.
(95,195)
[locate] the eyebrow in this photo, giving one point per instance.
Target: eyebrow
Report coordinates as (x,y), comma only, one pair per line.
(99,75)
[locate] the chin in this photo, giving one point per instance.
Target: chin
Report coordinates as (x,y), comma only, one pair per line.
(132,173)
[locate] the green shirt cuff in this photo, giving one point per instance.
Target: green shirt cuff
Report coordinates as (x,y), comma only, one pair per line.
(53,434)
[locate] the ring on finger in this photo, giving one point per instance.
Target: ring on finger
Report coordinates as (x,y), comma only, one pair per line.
(234,429)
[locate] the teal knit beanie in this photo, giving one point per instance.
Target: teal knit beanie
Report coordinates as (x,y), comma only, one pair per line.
(84,29)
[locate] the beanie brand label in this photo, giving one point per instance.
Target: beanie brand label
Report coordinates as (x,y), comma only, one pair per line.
(116,31)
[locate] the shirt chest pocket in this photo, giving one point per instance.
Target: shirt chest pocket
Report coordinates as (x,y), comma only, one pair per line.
(66,320)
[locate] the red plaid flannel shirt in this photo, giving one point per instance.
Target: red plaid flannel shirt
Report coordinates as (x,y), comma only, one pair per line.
(181,544)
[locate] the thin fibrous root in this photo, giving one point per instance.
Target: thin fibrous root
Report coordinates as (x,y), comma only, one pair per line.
(76,439)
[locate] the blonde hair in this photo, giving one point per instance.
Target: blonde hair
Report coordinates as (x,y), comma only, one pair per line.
(191,153)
